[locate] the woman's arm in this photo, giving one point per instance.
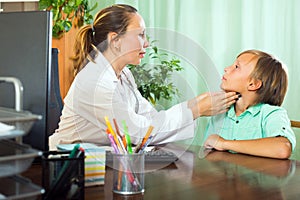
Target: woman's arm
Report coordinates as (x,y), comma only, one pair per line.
(273,147)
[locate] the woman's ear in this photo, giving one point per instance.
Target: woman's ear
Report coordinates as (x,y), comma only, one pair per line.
(254,84)
(114,40)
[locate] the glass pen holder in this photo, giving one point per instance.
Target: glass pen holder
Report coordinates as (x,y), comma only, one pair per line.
(63,175)
(128,173)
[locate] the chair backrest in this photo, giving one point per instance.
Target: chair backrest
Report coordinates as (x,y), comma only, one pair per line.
(55,102)
(295,124)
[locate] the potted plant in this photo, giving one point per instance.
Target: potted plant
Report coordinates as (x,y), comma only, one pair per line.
(67,13)
(153,77)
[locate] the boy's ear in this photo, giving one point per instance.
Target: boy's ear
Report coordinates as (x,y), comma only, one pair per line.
(254,84)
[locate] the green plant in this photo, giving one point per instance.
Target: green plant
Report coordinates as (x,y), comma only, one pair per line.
(153,79)
(67,13)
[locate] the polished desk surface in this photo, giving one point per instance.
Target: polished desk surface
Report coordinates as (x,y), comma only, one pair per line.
(219,175)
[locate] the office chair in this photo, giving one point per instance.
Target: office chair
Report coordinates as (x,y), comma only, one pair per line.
(55,103)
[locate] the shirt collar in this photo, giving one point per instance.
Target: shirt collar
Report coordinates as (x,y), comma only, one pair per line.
(101,60)
(253,110)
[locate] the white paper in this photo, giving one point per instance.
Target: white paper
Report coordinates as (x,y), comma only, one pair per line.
(4,128)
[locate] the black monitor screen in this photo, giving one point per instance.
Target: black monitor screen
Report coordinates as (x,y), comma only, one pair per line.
(25,53)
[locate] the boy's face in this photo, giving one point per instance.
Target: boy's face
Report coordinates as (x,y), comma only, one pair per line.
(236,77)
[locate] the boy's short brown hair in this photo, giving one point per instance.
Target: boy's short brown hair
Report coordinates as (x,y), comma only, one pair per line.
(272,73)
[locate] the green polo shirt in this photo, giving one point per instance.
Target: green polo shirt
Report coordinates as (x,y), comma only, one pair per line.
(258,121)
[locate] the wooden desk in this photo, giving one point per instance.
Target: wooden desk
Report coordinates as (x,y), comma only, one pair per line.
(220,175)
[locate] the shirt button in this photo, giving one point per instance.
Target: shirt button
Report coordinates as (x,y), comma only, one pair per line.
(237,121)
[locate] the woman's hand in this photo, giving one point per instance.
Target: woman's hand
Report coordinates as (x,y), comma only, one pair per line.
(208,104)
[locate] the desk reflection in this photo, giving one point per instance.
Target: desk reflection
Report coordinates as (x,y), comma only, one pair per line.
(254,177)
(220,175)
(280,170)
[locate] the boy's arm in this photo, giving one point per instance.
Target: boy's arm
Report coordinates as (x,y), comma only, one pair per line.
(273,147)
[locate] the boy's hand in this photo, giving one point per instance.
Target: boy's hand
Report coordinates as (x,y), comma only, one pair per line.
(214,141)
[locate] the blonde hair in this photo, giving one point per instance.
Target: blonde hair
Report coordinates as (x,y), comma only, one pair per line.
(93,38)
(272,73)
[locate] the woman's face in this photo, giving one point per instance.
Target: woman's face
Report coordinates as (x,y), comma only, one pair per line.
(236,77)
(133,42)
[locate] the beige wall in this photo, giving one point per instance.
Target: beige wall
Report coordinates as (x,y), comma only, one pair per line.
(19,6)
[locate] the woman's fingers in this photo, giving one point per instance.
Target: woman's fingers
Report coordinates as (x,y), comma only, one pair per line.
(208,104)
(221,101)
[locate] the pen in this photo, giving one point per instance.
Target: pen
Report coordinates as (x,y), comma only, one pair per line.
(147,135)
(120,177)
(121,144)
(72,155)
(113,144)
(74,151)
(122,149)
(146,144)
(138,147)
(128,141)
(117,128)
(141,144)
(124,141)
(119,136)
(80,151)
(127,138)
(113,133)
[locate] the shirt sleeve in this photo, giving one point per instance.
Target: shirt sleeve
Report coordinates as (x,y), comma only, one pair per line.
(277,123)
(173,124)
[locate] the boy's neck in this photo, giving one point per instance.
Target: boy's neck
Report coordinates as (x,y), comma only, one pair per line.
(243,103)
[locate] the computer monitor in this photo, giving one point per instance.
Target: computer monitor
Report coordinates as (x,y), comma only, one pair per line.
(26,53)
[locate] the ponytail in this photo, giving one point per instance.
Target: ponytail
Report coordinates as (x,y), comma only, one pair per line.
(83,46)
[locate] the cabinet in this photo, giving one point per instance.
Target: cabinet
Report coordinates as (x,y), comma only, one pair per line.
(16,157)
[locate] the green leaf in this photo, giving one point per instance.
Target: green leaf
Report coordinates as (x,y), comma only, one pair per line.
(92,8)
(67,9)
(44,4)
(155,49)
(67,25)
(78,2)
(154,81)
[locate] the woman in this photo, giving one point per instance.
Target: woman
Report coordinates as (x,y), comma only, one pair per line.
(104,86)
(255,124)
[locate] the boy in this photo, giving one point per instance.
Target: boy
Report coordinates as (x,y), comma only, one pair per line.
(256,124)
